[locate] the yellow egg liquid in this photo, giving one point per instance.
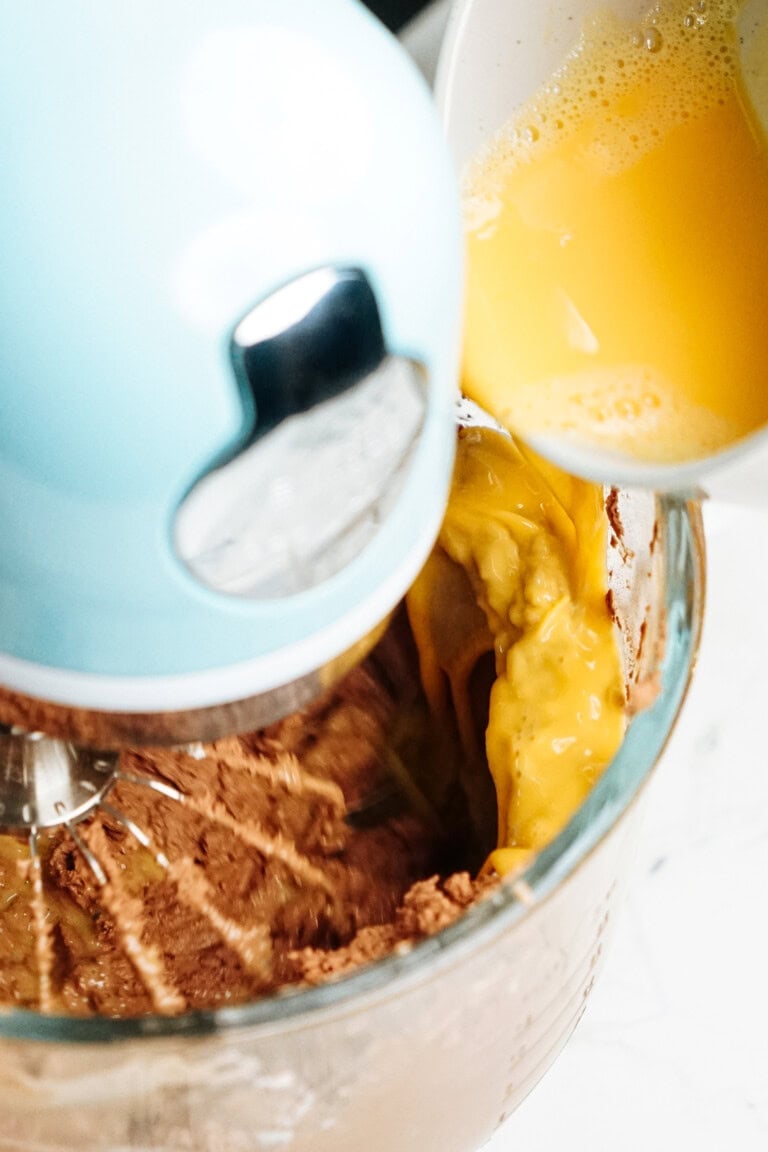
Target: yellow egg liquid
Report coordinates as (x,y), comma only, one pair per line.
(519,571)
(618,245)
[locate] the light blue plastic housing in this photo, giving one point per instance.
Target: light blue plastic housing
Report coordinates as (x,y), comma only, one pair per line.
(165,166)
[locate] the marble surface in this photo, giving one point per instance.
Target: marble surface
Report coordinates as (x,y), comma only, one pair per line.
(672,1051)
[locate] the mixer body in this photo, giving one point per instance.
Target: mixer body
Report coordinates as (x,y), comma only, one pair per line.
(189,186)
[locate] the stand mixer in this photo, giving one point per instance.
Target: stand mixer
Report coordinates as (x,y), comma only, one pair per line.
(231,279)
(379,1060)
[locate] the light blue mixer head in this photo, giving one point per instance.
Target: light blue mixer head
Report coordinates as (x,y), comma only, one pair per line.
(213,216)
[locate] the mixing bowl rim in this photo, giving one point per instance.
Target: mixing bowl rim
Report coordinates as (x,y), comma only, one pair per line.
(684,561)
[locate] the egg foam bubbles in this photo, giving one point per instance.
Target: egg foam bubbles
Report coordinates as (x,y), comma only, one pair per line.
(618,244)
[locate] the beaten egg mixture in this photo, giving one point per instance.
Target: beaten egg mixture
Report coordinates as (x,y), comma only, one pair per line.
(618,242)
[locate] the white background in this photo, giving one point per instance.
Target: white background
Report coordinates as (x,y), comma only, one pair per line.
(672,1052)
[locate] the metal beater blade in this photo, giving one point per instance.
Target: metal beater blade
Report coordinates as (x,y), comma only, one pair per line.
(45,782)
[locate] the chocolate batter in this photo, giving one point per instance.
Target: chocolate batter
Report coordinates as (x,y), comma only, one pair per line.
(289,855)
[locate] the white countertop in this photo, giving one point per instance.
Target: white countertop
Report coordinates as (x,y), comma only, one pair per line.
(672,1052)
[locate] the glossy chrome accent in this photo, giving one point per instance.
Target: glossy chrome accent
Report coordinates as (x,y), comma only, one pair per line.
(45,782)
(336,422)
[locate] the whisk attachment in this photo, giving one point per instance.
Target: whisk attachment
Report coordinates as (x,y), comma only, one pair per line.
(170,879)
(45,782)
(105,781)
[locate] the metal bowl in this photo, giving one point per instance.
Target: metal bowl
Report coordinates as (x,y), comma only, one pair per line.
(429,1049)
